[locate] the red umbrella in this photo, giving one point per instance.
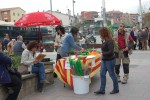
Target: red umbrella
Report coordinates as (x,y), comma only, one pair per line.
(37,19)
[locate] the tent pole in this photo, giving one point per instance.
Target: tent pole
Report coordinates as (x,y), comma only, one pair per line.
(39,34)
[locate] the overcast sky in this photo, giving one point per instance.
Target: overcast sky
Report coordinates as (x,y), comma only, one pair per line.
(130,6)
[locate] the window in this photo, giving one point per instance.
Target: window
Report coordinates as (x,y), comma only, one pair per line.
(6,20)
(7,28)
(5,13)
(14,14)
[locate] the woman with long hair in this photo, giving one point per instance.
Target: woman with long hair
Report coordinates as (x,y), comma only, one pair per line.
(108,61)
(60,35)
(59,40)
(69,43)
(34,66)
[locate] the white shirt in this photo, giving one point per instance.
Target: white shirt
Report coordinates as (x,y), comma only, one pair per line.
(135,34)
(27,58)
(82,41)
(57,40)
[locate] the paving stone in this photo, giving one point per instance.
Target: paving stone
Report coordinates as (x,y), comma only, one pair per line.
(138,87)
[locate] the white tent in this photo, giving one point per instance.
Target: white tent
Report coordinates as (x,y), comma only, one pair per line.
(6,23)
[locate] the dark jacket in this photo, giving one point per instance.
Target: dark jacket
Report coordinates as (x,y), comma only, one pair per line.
(5,63)
(132,34)
(18,48)
(108,50)
(4,43)
(144,35)
(4,59)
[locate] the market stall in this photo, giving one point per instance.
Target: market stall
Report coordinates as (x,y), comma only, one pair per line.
(64,71)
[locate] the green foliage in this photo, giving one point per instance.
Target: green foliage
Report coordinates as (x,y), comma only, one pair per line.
(76,67)
(90,50)
(73,51)
(83,53)
(111,29)
(146,20)
(112,32)
(16,60)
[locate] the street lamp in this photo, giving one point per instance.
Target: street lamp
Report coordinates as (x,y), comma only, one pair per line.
(51,6)
(73,1)
(104,13)
(140,17)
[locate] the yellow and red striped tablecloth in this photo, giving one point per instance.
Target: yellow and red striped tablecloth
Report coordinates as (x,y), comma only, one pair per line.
(65,75)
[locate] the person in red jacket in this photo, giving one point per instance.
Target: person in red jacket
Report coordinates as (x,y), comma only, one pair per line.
(125,44)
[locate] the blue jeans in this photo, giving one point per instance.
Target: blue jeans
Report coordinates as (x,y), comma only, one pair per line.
(110,67)
(40,70)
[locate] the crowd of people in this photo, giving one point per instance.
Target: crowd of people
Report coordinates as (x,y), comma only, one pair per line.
(12,79)
(141,38)
(13,46)
(64,43)
(115,52)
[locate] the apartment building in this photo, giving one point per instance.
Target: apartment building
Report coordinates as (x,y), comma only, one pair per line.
(89,15)
(134,18)
(11,14)
(120,17)
(115,15)
(126,18)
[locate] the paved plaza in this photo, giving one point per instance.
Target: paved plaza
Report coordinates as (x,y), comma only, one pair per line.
(138,87)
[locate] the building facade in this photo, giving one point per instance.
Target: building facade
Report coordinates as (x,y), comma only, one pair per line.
(89,15)
(115,15)
(120,17)
(67,19)
(134,18)
(126,18)
(11,14)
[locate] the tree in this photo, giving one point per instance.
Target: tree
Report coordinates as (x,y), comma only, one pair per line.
(146,20)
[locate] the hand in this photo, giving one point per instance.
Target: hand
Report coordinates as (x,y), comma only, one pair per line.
(134,42)
(126,49)
(82,49)
(36,61)
(57,46)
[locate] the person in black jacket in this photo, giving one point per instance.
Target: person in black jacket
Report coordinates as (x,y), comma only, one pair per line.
(134,35)
(15,85)
(108,61)
(5,42)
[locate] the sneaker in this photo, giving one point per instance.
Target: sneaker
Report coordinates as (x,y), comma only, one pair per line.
(99,92)
(45,81)
(118,78)
(125,79)
(114,92)
(40,89)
